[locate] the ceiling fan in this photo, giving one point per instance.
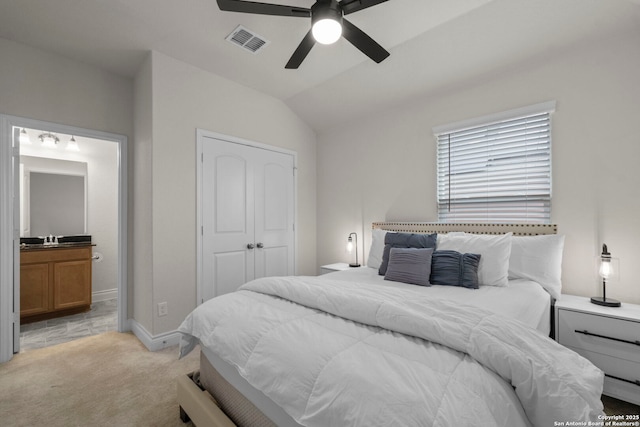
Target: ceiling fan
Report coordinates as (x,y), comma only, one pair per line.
(327,24)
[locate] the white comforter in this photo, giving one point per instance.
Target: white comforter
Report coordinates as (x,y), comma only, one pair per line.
(334,353)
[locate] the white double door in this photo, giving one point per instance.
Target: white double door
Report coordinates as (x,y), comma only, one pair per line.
(248,209)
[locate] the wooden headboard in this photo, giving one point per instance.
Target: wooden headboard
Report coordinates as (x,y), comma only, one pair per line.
(479,228)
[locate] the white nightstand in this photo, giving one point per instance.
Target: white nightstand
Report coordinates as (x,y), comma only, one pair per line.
(609,337)
(330,268)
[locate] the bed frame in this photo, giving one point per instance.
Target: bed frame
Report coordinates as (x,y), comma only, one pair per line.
(212,401)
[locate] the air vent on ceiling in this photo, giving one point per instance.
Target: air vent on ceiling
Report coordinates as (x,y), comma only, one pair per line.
(247,39)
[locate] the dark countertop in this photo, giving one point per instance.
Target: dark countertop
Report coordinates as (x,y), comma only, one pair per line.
(27,247)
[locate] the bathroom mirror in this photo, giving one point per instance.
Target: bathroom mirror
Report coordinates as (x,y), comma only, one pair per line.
(53,197)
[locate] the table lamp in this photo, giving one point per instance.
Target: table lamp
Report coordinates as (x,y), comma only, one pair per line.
(605,271)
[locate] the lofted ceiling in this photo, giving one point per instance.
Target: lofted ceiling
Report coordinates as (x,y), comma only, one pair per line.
(434,44)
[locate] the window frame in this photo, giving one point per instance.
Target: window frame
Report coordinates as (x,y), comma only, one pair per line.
(543,215)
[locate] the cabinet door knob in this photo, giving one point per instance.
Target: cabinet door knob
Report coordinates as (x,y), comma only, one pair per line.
(260,245)
(250,246)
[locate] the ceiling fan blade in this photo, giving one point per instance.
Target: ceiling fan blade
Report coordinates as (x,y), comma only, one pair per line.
(263,8)
(301,52)
(362,41)
(350,6)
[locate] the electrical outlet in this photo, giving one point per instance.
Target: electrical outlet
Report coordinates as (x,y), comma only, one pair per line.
(163,310)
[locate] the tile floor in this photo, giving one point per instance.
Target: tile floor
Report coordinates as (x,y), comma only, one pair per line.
(103,317)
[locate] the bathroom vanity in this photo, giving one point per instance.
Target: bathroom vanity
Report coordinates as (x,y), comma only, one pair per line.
(55,280)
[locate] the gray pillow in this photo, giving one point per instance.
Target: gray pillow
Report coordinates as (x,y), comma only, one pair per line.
(452,268)
(405,240)
(409,265)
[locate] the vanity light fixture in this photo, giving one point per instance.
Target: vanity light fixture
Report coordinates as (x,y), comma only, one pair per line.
(606,271)
(350,245)
(72,145)
(48,140)
(24,137)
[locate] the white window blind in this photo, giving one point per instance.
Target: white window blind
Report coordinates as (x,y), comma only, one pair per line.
(497,172)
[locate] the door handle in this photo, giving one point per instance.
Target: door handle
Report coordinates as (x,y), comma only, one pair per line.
(260,245)
(250,246)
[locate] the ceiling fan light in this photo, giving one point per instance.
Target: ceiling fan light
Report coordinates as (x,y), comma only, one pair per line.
(326,21)
(327,31)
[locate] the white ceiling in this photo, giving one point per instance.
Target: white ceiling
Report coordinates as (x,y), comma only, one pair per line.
(434,44)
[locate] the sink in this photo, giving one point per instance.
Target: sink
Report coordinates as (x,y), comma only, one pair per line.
(61,241)
(32,240)
(85,238)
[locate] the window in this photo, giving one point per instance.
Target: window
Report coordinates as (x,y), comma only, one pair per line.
(496,168)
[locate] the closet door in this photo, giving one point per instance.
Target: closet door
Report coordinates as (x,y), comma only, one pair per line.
(227,217)
(247,202)
(274,214)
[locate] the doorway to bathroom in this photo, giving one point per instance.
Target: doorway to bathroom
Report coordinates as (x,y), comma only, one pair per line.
(46,157)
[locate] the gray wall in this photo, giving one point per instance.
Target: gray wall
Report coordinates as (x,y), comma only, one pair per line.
(383,167)
(173,99)
(44,86)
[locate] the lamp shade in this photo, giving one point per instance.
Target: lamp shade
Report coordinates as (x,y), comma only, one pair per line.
(48,140)
(24,137)
(72,145)
(606,268)
(350,246)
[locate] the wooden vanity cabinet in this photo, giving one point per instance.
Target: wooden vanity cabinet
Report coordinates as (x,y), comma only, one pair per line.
(54,282)
(34,289)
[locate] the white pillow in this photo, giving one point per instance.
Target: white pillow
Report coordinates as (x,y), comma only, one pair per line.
(538,258)
(494,251)
(377,248)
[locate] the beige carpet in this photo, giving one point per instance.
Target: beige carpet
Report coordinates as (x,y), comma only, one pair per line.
(105,380)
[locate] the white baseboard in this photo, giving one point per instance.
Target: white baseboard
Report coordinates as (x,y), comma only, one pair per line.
(126,327)
(104,295)
(154,343)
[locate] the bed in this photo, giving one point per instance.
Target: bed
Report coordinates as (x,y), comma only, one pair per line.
(362,348)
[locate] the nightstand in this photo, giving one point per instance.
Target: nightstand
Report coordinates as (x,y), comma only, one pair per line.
(330,268)
(609,337)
